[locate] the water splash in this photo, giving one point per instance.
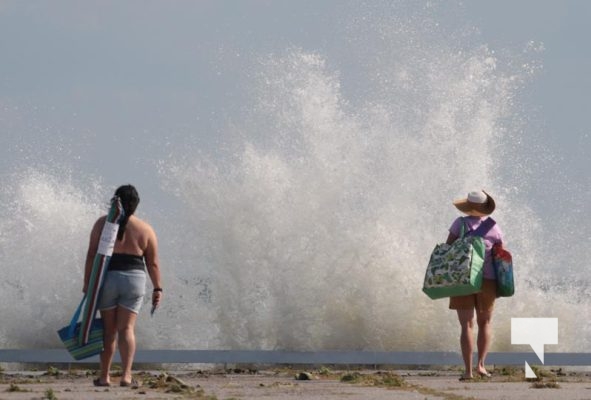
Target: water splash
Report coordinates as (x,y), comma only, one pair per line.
(44,224)
(316,233)
(312,228)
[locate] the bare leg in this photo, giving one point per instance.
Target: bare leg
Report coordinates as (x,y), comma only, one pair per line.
(109,343)
(125,328)
(483,319)
(466,318)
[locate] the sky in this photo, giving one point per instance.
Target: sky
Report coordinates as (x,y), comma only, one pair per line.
(561,92)
(99,86)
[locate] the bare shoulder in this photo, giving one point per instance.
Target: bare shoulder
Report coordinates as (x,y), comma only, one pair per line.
(147,239)
(143,226)
(98,225)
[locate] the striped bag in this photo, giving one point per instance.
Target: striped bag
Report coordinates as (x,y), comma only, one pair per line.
(69,336)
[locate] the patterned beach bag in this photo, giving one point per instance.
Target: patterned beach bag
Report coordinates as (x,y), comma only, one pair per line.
(70,336)
(456,269)
(503,264)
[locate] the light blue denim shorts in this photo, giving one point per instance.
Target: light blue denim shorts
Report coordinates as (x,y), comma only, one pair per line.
(124,289)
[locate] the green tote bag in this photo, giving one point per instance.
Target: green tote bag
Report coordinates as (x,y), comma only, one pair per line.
(455,269)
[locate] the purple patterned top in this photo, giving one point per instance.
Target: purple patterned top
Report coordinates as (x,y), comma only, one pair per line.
(493,236)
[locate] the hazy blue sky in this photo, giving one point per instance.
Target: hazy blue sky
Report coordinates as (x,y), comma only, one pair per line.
(127,81)
(562,91)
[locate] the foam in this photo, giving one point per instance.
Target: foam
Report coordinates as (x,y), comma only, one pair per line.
(312,230)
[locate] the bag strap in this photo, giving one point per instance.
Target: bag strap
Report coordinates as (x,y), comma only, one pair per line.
(76,316)
(484,227)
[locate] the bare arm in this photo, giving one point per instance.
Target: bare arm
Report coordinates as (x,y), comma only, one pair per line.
(95,235)
(153,266)
(451,238)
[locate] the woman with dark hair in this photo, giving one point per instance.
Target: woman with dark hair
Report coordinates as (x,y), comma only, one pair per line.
(124,287)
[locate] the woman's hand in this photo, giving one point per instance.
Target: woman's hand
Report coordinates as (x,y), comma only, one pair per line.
(156,297)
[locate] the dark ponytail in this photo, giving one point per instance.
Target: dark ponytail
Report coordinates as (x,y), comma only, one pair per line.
(129,200)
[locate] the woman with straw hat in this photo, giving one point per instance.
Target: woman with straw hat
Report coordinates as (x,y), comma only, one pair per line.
(477,207)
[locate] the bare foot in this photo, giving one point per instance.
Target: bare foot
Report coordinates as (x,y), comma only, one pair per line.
(484,373)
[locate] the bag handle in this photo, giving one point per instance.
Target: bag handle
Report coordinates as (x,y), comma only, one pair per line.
(76,316)
(482,229)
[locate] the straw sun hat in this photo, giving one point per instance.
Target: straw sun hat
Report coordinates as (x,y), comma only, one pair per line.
(477,203)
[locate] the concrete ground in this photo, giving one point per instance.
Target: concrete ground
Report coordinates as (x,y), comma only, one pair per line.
(285,384)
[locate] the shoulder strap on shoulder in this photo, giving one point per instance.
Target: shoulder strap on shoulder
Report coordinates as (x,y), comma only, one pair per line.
(462,228)
(484,227)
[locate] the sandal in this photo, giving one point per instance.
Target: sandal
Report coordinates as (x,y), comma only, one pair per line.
(466,378)
(133,384)
(97,382)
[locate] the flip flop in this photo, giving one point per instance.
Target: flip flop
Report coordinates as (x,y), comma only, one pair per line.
(485,374)
(133,384)
(97,382)
(465,379)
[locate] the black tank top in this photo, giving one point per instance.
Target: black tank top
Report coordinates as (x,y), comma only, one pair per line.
(126,262)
